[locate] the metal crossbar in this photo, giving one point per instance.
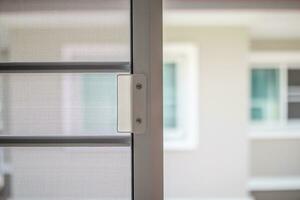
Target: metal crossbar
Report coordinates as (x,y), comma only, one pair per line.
(64,67)
(50,141)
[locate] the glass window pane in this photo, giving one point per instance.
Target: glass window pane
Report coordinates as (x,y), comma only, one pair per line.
(50,30)
(264,94)
(170,95)
(99,112)
(59,104)
(293,94)
(65,173)
(294,110)
(294,77)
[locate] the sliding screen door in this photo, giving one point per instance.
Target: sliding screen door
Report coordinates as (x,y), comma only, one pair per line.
(59,68)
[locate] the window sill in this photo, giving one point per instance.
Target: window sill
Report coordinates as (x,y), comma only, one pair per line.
(274,184)
(274,135)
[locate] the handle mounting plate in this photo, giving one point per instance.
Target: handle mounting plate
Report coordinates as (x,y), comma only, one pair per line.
(132,107)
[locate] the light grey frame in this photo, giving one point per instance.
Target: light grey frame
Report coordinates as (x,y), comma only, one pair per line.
(147,60)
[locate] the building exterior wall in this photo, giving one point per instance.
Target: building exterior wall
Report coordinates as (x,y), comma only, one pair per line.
(218,167)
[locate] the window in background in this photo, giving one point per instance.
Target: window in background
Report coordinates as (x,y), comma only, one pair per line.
(170,100)
(97,114)
(275,94)
(99,110)
(90,107)
(180,84)
(265,95)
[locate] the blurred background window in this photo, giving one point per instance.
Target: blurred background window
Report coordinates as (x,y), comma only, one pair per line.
(275,93)
(99,110)
(170,95)
(265,95)
(180,76)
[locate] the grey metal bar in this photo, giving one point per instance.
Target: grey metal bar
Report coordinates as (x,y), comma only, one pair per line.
(64,67)
(63,141)
(147,60)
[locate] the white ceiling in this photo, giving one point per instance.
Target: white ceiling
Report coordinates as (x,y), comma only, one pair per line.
(279,24)
(262,24)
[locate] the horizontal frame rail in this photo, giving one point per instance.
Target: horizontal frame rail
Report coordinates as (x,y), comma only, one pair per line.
(64,67)
(65,141)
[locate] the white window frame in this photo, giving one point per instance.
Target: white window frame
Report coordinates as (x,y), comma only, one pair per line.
(185,135)
(69,53)
(283,128)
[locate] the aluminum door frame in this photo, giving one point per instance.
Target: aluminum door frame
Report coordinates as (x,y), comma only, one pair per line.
(147,60)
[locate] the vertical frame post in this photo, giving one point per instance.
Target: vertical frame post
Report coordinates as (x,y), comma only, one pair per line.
(147,60)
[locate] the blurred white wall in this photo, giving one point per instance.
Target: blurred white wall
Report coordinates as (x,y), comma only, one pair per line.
(218,168)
